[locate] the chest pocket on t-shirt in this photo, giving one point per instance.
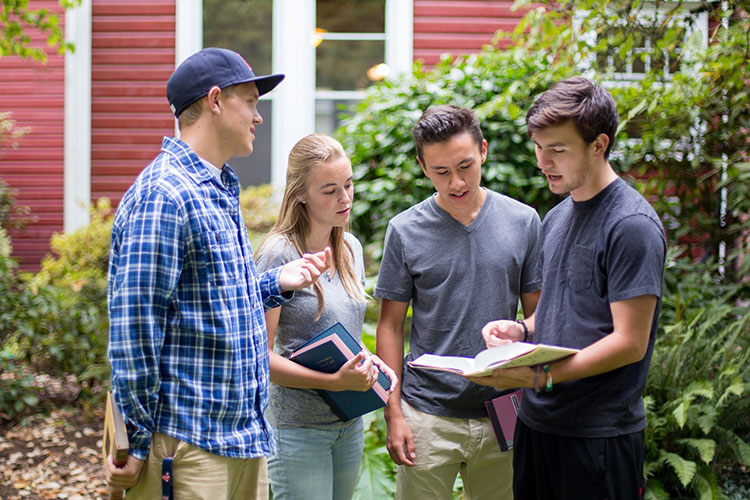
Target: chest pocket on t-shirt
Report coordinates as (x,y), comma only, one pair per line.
(223,257)
(581,268)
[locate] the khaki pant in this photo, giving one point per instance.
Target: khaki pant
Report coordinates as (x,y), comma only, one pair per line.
(446,446)
(199,475)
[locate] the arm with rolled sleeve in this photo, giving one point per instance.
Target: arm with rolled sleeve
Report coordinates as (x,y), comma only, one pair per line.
(146,262)
(270,289)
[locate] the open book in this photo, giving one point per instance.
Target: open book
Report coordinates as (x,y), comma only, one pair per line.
(504,356)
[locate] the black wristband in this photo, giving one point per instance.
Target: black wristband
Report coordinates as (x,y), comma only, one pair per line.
(525,329)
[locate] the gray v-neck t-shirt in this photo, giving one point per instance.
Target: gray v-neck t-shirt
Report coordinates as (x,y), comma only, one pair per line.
(457,278)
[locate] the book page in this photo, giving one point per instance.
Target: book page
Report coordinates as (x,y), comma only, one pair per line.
(454,364)
(496,355)
(542,354)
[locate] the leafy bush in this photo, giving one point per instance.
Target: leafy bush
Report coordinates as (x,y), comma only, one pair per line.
(377,475)
(17,392)
(60,322)
(697,393)
(691,123)
(12,215)
(259,209)
(79,260)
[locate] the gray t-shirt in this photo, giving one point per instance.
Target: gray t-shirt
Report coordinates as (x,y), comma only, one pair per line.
(458,278)
(606,249)
(290,407)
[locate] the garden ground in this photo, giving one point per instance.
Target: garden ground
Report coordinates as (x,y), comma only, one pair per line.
(55,454)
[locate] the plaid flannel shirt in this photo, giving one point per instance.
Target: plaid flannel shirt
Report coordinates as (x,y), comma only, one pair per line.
(188,341)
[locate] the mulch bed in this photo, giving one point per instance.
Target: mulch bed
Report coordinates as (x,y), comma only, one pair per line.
(55,453)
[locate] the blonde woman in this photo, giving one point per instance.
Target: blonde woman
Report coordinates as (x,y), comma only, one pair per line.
(318,454)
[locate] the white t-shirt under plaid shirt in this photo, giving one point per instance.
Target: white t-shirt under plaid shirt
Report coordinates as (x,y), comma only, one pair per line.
(188,341)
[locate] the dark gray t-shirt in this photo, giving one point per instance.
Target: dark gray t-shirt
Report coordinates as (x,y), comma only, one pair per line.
(458,278)
(290,407)
(606,249)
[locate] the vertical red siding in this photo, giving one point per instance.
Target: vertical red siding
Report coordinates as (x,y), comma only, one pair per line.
(458,26)
(132,57)
(34,93)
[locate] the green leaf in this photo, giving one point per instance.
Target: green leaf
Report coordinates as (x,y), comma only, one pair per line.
(743,450)
(655,490)
(680,413)
(705,447)
(705,483)
(30,399)
(685,469)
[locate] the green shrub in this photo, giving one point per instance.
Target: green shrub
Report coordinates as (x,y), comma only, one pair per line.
(61,321)
(12,215)
(79,260)
(377,475)
(259,208)
(17,392)
(697,392)
(8,287)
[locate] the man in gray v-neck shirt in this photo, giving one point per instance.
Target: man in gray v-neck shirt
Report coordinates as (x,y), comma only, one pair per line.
(462,257)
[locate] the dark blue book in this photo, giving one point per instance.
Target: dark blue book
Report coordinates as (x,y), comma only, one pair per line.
(329,351)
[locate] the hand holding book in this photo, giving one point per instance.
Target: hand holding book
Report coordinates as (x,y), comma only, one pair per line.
(503,331)
(335,348)
(358,374)
(121,469)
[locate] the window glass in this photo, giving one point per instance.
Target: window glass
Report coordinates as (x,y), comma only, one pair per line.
(343,64)
(330,112)
(350,16)
(243,26)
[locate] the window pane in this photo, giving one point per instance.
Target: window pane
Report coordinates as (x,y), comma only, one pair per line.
(243,26)
(351,16)
(639,65)
(343,65)
(256,168)
(329,113)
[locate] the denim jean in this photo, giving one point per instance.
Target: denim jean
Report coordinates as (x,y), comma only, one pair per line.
(316,464)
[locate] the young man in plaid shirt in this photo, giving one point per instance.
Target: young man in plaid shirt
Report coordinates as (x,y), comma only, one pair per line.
(188,345)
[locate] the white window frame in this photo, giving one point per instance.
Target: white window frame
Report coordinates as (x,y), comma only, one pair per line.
(294,55)
(188,22)
(650,9)
(77,152)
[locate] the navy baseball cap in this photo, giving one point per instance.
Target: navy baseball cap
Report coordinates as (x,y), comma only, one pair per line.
(208,68)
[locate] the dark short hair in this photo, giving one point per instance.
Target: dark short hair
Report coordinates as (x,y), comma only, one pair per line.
(590,106)
(440,123)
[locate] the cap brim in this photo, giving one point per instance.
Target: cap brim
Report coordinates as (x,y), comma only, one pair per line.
(266,84)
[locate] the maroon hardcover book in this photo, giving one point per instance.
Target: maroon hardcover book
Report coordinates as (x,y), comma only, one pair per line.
(503,411)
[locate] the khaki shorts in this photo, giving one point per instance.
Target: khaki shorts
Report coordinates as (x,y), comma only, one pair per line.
(199,475)
(446,446)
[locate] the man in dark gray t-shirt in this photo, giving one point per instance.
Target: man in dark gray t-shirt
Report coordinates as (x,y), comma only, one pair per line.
(462,257)
(580,433)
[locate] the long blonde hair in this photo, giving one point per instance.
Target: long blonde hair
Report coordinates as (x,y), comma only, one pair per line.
(293,223)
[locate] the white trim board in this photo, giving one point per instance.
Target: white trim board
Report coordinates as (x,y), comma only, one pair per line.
(77,148)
